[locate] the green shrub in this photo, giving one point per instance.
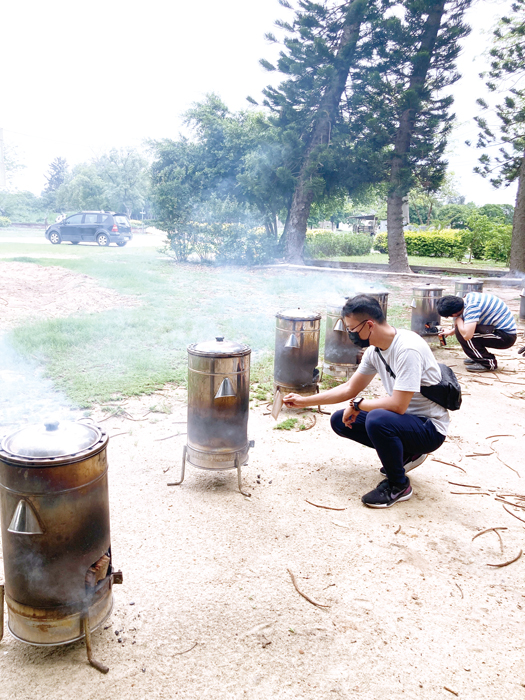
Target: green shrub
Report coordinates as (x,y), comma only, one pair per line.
(381,242)
(445,243)
(330,244)
(497,247)
(4,222)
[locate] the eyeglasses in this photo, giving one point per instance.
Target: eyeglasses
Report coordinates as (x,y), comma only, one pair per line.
(359,325)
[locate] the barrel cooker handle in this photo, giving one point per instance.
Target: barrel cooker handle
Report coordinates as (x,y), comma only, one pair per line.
(1,611)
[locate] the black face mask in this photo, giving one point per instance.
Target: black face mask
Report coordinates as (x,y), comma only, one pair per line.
(356,340)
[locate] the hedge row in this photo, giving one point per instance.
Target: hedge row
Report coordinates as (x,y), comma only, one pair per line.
(432,244)
(325,244)
(4,222)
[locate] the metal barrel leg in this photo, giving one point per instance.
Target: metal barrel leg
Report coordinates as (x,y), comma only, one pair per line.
(1,611)
(239,479)
(87,635)
(176,483)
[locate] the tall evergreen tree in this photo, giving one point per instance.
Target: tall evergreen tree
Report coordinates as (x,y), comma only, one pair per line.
(56,175)
(318,54)
(507,73)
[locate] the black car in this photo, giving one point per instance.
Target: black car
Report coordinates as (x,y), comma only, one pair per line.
(104,227)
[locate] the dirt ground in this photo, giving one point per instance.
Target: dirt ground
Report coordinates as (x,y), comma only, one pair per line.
(412,607)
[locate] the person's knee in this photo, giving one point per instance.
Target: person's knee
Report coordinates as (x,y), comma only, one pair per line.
(336,422)
(378,421)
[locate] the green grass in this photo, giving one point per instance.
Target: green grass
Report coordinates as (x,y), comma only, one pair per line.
(424,261)
(99,357)
(288,424)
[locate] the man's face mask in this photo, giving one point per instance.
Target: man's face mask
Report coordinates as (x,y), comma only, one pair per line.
(353,334)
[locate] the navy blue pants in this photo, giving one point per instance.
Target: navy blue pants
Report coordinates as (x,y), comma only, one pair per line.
(395,438)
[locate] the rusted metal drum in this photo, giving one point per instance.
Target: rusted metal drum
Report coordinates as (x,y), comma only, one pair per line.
(425,316)
(296,351)
(341,356)
(55,531)
(463,287)
(218,404)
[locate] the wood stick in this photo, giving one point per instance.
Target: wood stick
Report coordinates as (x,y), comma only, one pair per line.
(450,690)
(318,505)
(511,513)
(462,596)
(449,464)
(489,529)
(178,653)
(398,530)
(469,493)
(481,454)
(497,436)
(310,600)
(509,503)
(467,486)
(168,437)
(506,563)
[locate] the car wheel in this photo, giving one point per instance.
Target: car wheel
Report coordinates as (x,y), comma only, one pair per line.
(103,239)
(121,243)
(54,237)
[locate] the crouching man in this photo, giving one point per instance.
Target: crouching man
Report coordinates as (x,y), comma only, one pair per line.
(404,426)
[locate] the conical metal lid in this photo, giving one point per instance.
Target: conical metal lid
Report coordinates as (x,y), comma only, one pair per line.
(51,439)
(219,348)
(299,315)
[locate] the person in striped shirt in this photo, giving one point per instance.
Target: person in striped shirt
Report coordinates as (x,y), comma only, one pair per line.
(481,321)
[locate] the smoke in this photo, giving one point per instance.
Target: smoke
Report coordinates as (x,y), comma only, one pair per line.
(26,396)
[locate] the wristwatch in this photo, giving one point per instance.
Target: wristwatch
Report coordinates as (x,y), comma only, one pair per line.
(356,403)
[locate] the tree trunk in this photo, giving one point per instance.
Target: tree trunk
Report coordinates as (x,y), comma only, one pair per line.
(517,248)
(297,221)
(399,171)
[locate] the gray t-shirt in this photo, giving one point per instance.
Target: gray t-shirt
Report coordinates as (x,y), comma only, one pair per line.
(414,365)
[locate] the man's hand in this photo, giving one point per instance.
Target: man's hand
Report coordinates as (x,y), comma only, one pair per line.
(295,401)
(349,416)
(452,331)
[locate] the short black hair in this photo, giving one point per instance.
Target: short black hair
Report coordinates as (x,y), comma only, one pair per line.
(446,306)
(364,306)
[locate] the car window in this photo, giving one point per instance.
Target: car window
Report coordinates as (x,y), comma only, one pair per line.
(122,220)
(76,219)
(90,218)
(105,219)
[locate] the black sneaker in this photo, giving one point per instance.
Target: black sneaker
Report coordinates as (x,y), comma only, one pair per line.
(476,367)
(410,463)
(383,496)
(468,361)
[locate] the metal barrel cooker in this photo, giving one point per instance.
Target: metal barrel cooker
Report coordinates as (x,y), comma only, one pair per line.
(218,406)
(522,305)
(296,352)
(463,287)
(425,317)
(341,356)
(55,533)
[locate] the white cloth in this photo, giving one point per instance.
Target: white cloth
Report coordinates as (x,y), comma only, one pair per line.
(414,365)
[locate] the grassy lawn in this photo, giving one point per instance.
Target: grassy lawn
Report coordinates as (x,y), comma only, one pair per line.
(96,357)
(419,260)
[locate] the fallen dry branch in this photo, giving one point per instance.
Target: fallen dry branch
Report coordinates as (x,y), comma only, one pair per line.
(168,437)
(449,464)
(178,653)
(124,433)
(509,503)
(489,437)
(450,690)
(467,486)
(470,493)
(318,505)
(310,600)
(398,530)
(489,529)
(511,513)
(481,454)
(506,563)
(462,596)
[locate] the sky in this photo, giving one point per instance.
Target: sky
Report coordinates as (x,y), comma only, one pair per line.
(80,78)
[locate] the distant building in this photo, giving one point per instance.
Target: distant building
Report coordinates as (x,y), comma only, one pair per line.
(368,223)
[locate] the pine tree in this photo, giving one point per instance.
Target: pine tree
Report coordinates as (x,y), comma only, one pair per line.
(319,51)
(507,73)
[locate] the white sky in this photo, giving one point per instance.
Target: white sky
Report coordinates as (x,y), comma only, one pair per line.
(79,78)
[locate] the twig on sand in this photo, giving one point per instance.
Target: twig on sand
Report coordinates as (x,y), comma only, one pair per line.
(462,596)
(318,505)
(449,464)
(511,513)
(178,653)
(497,436)
(398,530)
(450,690)
(124,433)
(168,437)
(310,600)
(506,563)
(481,454)
(509,503)
(467,486)
(470,493)
(489,529)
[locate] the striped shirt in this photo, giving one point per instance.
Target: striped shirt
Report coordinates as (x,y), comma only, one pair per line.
(488,310)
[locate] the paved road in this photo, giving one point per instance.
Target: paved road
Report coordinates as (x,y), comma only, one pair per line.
(153,240)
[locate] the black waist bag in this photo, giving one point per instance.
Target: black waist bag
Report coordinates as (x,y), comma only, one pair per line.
(446,394)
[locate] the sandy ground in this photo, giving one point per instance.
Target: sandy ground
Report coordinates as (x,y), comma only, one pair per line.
(208,608)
